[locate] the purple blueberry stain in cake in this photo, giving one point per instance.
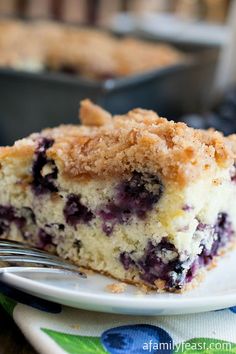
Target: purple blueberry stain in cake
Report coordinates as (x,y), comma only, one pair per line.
(44,239)
(108,228)
(201,226)
(162,260)
(77,244)
(134,197)
(155,264)
(3,227)
(233,174)
(187,207)
(223,232)
(43,183)
(75,212)
(223,229)
(111,215)
(126,260)
(9,215)
(159,261)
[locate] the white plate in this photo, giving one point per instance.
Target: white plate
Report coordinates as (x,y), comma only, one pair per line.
(217,291)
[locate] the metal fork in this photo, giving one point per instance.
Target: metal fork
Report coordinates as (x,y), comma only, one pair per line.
(17,257)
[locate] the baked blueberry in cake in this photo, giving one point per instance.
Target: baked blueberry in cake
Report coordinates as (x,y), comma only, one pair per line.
(137,197)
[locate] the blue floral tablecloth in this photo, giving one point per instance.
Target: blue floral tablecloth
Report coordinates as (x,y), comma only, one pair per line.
(53,329)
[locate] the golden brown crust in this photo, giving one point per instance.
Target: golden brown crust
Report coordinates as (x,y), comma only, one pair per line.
(139,140)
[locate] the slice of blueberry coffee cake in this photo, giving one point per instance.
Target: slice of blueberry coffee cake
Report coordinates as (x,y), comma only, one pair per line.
(145,200)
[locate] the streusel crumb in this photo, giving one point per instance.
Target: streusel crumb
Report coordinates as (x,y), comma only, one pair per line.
(116,288)
(160,284)
(139,140)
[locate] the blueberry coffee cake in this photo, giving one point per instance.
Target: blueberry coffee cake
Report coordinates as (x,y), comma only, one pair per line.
(39,46)
(137,197)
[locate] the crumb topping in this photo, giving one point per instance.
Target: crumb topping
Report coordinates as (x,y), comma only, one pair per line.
(139,140)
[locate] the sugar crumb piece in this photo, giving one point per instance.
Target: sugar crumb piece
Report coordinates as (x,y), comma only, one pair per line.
(160,284)
(213,264)
(116,288)
(142,290)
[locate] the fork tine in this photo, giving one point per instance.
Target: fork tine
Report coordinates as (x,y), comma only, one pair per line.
(39,261)
(15,244)
(41,270)
(27,252)
(17,252)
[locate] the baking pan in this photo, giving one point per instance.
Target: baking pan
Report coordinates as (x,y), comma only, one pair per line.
(32,101)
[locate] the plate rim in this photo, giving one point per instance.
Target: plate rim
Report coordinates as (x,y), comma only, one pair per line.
(118,301)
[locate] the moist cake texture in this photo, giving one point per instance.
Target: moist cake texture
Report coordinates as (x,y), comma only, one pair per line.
(145,200)
(38,46)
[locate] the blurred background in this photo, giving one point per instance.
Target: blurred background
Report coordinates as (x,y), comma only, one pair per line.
(173,56)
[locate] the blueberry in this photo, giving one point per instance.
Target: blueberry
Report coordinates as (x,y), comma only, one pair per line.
(223,232)
(137,339)
(126,260)
(3,227)
(44,239)
(9,215)
(187,207)
(154,265)
(43,184)
(233,174)
(75,212)
(77,244)
(132,198)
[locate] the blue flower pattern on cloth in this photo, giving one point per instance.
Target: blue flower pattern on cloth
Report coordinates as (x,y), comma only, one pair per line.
(30,300)
(233,309)
(137,339)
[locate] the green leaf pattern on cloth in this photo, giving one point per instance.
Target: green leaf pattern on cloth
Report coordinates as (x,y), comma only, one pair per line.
(206,345)
(7,303)
(74,344)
